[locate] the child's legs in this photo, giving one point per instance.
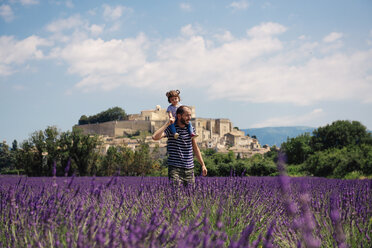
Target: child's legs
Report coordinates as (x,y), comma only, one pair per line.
(189,128)
(173,128)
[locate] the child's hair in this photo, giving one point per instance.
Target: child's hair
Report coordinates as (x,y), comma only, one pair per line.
(173,93)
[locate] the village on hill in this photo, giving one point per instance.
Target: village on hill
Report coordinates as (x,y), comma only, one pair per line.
(218,134)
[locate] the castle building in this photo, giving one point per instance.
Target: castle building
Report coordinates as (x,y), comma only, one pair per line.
(217,134)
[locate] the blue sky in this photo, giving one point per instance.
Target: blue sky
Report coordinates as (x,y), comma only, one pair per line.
(258,63)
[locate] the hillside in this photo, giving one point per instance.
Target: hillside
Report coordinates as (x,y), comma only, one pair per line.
(276,135)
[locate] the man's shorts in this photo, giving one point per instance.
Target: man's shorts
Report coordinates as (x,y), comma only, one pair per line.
(181,175)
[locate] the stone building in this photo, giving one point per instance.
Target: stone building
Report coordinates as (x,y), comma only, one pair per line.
(217,134)
(147,120)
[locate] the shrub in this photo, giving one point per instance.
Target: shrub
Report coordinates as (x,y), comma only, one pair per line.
(353,175)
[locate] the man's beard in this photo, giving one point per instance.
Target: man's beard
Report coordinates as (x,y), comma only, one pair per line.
(183,121)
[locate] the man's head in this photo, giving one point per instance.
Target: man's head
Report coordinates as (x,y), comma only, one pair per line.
(184,115)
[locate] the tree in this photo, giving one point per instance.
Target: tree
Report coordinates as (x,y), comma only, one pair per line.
(338,163)
(110,163)
(272,154)
(340,134)
(5,156)
(83,120)
(14,145)
(38,154)
(259,166)
(142,163)
(28,160)
(209,152)
(126,160)
(112,114)
(297,149)
(45,145)
(366,151)
(82,149)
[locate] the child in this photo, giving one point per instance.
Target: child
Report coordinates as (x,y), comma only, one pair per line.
(174,99)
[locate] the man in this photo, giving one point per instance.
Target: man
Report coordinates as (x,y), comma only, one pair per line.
(181,150)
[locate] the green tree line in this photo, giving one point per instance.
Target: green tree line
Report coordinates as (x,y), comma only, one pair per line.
(76,153)
(342,149)
(220,164)
(111,114)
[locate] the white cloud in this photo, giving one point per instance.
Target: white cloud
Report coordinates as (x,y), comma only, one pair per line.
(96,29)
(190,30)
(185,6)
(29,2)
(225,37)
(69,4)
(5,70)
(256,68)
(14,52)
(114,13)
(104,64)
(291,120)
(61,25)
(369,42)
(115,27)
(266,5)
(330,78)
(332,42)
(182,60)
(6,13)
(266,29)
(19,87)
(239,5)
(72,29)
(332,37)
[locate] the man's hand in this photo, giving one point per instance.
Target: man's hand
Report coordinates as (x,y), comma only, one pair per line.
(160,132)
(204,171)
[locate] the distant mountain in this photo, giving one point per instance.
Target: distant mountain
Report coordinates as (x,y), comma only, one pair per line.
(276,135)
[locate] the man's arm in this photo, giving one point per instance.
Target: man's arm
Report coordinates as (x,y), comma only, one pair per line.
(160,132)
(199,157)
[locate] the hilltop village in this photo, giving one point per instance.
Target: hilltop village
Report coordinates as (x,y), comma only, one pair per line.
(217,134)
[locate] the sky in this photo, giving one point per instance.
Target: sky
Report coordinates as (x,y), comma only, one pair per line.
(257,63)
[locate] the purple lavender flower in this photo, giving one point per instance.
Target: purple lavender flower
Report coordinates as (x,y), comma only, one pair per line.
(217,212)
(336,219)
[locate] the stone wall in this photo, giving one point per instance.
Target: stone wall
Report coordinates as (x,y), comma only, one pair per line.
(223,126)
(120,128)
(129,127)
(157,114)
(106,128)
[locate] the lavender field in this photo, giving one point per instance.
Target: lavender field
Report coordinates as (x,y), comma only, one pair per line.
(217,212)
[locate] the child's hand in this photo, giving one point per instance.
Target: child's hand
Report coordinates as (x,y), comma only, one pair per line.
(171,120)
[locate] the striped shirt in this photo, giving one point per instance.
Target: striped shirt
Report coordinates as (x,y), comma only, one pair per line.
(180,152)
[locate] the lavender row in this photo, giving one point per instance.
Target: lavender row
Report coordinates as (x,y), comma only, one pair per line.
(216,212)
